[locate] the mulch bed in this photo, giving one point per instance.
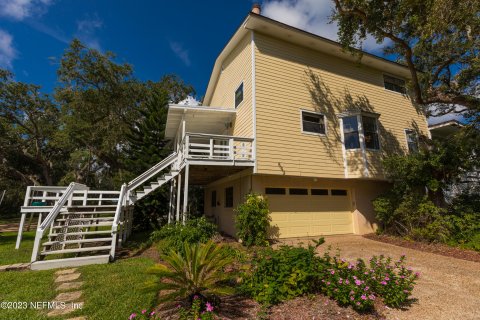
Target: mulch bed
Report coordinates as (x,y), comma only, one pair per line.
(436,248)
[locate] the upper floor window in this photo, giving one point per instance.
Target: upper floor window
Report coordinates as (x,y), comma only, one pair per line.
(370,132)
(313,122)
(350,132)
(394,84)
(412,141)
(229,197)
(239,95)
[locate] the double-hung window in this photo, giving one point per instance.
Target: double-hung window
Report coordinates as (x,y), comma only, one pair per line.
(394,84)
(356,127)
(313,122)
(412,141)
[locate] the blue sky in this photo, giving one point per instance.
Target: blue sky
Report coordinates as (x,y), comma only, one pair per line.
(156,37)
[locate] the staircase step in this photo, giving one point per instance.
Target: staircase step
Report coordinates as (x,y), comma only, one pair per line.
(87,219)
(92,206)
(69,262)
(87,212)
(49,243)
(81,233)
(76,250)
(101,224)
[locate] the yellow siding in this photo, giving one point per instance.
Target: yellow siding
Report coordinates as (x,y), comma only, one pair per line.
(237,68)
(284,87)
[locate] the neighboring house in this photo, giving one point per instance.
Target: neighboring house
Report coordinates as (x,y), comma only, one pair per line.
(287,114)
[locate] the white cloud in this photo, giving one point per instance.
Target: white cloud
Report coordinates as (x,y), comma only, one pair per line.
(21,9)
(7,51)
(310,15)
(457,115)
(181,52)
(86,31)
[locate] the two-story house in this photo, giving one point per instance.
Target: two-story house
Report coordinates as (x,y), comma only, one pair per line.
(310,123)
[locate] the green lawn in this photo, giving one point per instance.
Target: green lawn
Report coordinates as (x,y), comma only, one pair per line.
(111,291)
(8,254)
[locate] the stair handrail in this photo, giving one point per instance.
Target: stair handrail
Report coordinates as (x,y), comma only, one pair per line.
(151,172)
(52,215)
(116,219)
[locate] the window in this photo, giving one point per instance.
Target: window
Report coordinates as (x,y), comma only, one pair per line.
(370,132)
(412,141)
(319,192)
(275,191)
(339,192)
(239,95)
(298,192)
(229,197)
(214,199)
(350,132)
(394,84)
(313,122)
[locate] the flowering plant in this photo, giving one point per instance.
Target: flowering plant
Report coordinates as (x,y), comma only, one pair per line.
(144,314)
(198,310)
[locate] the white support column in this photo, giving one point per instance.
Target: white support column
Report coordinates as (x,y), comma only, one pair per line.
(170,208)
(179,189)
(20,231)
(185,194)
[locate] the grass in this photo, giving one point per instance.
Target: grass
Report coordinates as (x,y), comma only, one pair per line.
(8,253)
(27,286)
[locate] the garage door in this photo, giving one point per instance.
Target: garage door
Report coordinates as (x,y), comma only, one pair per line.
(311,215)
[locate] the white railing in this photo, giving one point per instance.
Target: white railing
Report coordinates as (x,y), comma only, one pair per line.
(66,197)
(147,175)
(196,146)
(117,220)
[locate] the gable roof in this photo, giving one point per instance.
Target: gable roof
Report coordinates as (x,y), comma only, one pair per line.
(300,37)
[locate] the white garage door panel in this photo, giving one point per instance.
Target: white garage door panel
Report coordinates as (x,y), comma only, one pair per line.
(301,216)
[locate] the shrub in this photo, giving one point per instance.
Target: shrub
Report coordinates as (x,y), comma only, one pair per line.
(360,284)
(144,314)
(278,275)
(198,311)
(252,220)
(173,236)
(196,270)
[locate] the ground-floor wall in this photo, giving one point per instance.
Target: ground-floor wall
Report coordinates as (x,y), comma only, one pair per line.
(300,206)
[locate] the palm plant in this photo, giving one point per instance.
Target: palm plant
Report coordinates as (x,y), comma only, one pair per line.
(196,269)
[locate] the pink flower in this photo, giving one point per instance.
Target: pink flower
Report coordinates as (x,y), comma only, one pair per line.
(384,283)
(366,272)
(417,274)
(328,283)
(346,281)
(332,272)
(366,288)
(352,298)
(152,313)
(358,282)
(340,281)
(144,311)
(371,297)
(358,303)
(133,315)
(363,297)
(387,278)
(209,307)
(195,297)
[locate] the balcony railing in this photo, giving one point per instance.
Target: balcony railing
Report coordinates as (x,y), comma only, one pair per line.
(199,146)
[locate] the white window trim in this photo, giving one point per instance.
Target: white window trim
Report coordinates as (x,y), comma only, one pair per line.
(313,133)
(406,139)
(243,93)
(396,77)
(356,114)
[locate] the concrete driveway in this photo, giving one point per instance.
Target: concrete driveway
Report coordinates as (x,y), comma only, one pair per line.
(448,288)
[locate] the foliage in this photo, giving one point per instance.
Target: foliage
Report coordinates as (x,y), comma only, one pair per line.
(198,310)
(360,284)
(252,220)
(427,36)
(195,270)
(286,273)
(143,315)
(174,236)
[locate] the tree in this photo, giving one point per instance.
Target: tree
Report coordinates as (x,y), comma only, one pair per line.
(438,40)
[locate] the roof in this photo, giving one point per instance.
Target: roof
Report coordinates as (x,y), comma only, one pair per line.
(206,119)
(300,37)
(444,129)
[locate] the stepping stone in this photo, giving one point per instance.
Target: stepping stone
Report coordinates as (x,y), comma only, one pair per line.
(68,296)
(69,308)
(65,271)
(67,277)
(77,318)
(69,286)
(14,267)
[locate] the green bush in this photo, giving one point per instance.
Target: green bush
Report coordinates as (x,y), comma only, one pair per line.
(173,236)
(252,221)
(278,275)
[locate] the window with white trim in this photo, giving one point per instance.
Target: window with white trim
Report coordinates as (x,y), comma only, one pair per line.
(239,95)
(350,132)
(313,122)
(394,84)
(412,140)
(370,132)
